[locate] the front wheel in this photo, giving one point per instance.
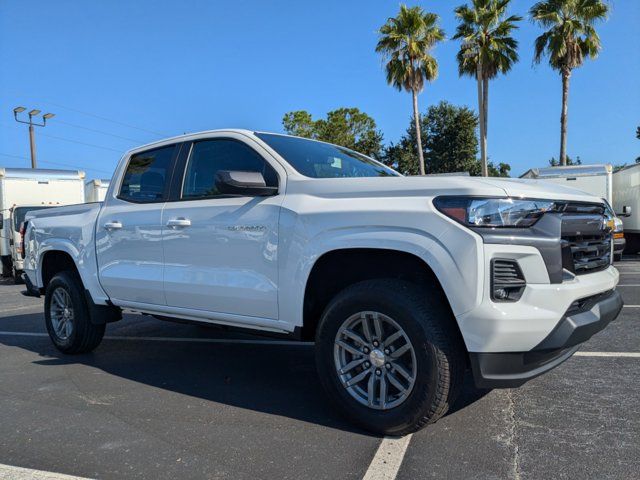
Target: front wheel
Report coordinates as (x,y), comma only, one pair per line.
(67,316)
(389,356)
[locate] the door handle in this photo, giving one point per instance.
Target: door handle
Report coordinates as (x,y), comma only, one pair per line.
(179,222)
(115,225)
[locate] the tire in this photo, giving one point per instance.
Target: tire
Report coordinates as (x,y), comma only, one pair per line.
(436,359)
(82,336)
(6,265)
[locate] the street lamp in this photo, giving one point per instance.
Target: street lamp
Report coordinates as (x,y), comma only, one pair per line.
(32,139)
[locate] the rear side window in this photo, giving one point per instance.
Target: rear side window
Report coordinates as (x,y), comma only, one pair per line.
(148,175)
(209,157)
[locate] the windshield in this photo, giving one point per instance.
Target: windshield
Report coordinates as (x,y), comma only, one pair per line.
(324,160)
(20,212)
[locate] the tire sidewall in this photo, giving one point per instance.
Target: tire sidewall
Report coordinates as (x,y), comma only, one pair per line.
(67,282)
(408,316)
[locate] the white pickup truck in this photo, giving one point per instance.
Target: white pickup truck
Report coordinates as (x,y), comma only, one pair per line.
(402,282)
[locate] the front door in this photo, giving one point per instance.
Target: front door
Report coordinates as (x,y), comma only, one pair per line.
(221,251)
(129,230)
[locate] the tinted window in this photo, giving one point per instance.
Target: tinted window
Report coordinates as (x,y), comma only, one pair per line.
(211,156)
(324,160)
(147,175)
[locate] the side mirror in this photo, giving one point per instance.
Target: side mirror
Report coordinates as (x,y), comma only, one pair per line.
(1,221)
(626,211)
(243,183)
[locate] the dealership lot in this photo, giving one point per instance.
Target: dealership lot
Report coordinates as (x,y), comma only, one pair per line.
(163,400)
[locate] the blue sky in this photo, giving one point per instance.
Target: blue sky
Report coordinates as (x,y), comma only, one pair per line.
(169,67)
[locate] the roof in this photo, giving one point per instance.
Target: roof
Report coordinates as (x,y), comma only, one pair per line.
(568,171)
(41,173)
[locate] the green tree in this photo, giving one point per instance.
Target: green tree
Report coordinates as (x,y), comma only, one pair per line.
(348,127)
(569,38)
(451,144)
(406,42)
(487,50)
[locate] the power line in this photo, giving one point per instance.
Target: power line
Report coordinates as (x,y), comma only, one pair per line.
(101,132)
(117,122)
(80,143)
(75,167)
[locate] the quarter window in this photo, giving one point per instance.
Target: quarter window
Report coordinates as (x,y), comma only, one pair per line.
(209,157)
(147,176)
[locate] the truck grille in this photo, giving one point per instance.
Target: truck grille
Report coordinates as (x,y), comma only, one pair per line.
(586,241)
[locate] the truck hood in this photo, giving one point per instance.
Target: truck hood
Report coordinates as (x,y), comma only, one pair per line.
(434,186)
(521,187)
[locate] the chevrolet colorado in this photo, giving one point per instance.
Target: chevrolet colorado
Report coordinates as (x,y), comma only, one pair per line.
(403,283)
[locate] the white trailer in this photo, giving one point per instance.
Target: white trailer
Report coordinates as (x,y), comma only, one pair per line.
(626,203)
(594,179)
(23,190)
(95,190)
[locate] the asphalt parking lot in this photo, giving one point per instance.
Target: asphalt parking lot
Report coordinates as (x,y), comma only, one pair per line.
(161,400)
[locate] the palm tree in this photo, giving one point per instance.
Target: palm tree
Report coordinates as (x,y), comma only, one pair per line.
(406,42)
(487,50)
(569,38)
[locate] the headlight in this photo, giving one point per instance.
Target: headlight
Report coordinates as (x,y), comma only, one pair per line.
(493,212)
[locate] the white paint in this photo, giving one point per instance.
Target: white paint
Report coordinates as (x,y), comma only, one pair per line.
(8,472)
(630,285)
(15,309)
(387,460)
(631,306)
(608,354)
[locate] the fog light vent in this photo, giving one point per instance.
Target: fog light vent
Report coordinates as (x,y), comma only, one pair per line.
(507,280)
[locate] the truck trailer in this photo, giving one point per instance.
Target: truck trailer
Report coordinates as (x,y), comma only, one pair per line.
(23,190)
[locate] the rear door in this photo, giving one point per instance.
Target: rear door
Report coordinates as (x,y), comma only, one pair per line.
(221,250)
(129,229)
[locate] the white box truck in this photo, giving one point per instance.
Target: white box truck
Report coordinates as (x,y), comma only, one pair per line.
(593,179)
(95,190)
(626,203)
(23,190)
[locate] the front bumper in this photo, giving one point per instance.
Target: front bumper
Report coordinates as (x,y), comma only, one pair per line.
(511,369)
(619,245)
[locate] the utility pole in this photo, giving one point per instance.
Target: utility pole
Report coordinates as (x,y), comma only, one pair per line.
(32,136)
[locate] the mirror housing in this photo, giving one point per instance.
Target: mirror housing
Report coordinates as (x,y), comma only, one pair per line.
(626,211)
(234,182)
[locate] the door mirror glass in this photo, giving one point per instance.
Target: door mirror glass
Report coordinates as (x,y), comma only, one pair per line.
(1,220)
(233,182)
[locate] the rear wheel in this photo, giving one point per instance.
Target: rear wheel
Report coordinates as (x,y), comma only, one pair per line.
(6,265)
(67,316)
(389,356)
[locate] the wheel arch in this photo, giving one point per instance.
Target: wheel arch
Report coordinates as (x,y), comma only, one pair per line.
(337,269)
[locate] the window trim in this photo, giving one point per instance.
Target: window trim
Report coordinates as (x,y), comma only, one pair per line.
(183,163)
(177,147)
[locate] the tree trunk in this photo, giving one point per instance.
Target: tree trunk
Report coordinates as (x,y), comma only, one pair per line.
(563,116)
(483,149)
(416,118)
(485,118)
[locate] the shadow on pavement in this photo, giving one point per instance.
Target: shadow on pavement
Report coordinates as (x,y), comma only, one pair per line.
(274,379)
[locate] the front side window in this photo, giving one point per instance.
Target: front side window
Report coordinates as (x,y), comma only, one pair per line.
(210,156)
(147,176)
(324,160)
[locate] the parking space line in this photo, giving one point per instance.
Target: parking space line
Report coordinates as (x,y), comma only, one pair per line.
(608,354)
(24,307)
(8,472)
(630,285)
(631,306)
(387,460)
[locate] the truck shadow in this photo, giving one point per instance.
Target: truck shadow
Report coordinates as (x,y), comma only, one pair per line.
(275,379)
